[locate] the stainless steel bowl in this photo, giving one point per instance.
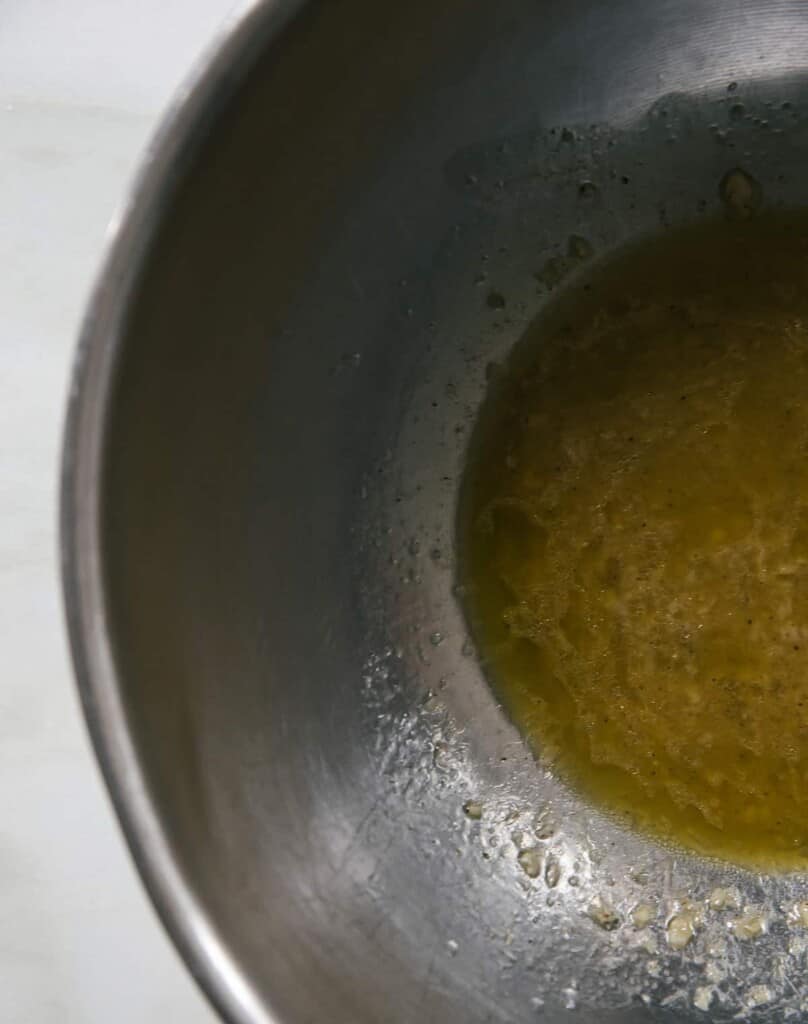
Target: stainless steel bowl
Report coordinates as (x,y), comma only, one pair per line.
(272,400)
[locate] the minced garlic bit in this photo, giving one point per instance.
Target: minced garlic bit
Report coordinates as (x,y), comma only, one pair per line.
(750,925)
(530,861)
(702,997)
(642,915)
(680,931)
(603,915)
(723,899)
(798,914)
(758,995)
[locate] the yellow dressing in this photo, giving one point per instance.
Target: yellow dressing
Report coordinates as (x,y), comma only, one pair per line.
(634,538)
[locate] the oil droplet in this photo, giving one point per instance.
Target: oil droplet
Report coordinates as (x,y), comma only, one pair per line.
(473,810)
(587,190)
(452,947)
(436,639)
(579,248)
(441,756)
(740,193)
(552,872)
(570,997)
(530,860)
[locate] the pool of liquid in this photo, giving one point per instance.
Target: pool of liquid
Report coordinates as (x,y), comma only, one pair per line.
(634,537)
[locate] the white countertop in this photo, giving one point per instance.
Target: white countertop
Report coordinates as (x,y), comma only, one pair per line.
(81,85)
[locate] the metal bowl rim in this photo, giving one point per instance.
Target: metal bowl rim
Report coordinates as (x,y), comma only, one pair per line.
(212,82)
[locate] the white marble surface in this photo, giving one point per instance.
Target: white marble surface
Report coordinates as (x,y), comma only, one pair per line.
(81,85)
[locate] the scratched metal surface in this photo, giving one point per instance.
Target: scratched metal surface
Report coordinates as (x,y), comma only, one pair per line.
(278,382)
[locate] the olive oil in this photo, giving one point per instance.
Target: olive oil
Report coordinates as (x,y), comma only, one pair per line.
(634,538)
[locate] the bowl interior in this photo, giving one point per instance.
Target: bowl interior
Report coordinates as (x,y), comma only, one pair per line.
(300,366)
